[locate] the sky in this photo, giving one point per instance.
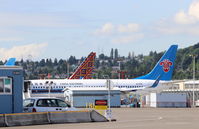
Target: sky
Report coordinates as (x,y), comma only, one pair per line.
(39,29)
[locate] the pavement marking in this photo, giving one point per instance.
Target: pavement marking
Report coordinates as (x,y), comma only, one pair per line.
(148,119)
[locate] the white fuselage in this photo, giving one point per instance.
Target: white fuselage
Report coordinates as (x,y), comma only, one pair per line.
(57,86)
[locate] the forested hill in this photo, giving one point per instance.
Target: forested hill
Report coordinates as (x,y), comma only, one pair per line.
(107,66)
(184,62)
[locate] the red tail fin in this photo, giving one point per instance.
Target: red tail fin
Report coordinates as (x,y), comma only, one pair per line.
(85,69)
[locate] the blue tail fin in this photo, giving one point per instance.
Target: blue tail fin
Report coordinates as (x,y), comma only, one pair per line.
(164,67)
(10,62)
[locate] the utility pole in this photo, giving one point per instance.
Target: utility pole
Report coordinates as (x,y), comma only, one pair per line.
(68,71)
(194,71)
(119,69)
(109,87)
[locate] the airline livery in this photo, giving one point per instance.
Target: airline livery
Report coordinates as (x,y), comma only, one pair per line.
(84,71)
(161,73)
(10,62)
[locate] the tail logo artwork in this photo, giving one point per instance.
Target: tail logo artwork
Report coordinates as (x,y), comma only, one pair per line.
(166,65)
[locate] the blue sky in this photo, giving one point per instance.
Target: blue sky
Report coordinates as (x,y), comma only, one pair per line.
(60,28)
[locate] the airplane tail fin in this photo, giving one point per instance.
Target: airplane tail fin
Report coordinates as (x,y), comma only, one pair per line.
(10,62)
(85,69)
(164,68)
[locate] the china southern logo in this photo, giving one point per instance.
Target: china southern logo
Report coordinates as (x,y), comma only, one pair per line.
(166,63)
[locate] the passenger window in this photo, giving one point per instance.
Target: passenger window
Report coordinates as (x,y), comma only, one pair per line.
(52,103)
(42,103)
(62,103)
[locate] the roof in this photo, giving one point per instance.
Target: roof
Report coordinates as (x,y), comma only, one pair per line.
(10,67)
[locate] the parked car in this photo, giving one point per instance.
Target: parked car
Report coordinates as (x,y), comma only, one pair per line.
(46,104)
(197,103)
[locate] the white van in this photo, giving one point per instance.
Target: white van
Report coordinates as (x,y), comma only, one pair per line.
(46,105)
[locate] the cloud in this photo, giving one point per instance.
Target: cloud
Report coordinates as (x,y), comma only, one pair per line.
(24,51)
(107,28)
(174,29)
(131,27)
(188,17)
(182,18)
(122,33)
(8,39)
(183,22)
(127,39)
(31,20)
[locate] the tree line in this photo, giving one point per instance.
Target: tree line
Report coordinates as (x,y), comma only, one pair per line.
(108,66)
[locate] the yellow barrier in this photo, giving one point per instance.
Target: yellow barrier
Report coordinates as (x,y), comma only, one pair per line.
(101,107)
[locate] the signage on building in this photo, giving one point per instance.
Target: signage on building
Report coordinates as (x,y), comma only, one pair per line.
(101,104)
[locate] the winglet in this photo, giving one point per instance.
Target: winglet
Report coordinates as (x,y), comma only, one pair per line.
(155,84)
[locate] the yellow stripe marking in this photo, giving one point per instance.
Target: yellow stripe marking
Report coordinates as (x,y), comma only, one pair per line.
(40,113)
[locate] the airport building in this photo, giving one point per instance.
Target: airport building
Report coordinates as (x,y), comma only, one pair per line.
(11,88)
(84,98)
(166,100)
(180,94)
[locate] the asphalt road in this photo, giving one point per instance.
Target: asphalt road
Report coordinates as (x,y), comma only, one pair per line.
(135,118)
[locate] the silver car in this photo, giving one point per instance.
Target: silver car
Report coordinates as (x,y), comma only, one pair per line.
(46,105)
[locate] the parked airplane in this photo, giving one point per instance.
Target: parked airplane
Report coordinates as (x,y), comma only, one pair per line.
(85,69)
(162,72)
(10,62)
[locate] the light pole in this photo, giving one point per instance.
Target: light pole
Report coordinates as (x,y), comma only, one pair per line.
(194,71)
(109,86)
(68,67)
(119,69)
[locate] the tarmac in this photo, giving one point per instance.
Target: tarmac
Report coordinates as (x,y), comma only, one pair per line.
(137,118)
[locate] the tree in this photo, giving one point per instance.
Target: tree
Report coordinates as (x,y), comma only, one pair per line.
(101,56)
(55,62)
(116,53)
(72,60)
(42,63)
(111,55)
(129,55)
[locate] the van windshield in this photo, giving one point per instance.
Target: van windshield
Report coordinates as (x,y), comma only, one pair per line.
(28,102)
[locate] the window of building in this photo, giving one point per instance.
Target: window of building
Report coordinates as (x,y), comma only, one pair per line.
(1,86)
(5,85)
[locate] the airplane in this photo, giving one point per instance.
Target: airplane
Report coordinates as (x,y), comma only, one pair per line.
(85,69)
(161,73)
(10,62)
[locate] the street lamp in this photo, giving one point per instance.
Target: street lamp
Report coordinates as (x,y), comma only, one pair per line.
(109,85)
(194,71)
(68,69)
(119,68)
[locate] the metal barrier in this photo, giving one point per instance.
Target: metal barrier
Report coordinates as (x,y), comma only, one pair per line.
(69,117)
(96,116)
(24,119)
(2,120)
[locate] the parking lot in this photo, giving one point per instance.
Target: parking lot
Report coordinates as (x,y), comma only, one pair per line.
(138,118)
